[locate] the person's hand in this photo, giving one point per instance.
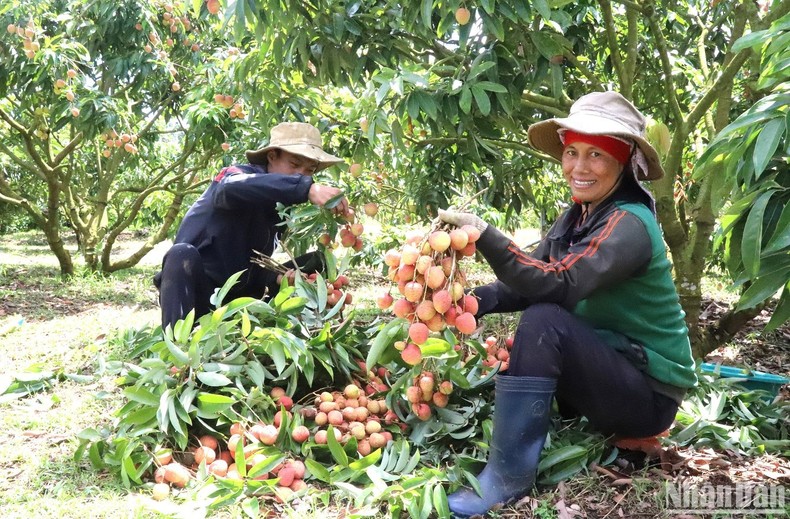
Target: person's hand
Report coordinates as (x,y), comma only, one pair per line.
(320,194)
(460,219)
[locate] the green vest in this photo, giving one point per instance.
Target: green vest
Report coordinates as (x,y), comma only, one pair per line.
(646,310)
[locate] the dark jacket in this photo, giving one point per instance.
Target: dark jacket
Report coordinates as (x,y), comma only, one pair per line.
(236,215)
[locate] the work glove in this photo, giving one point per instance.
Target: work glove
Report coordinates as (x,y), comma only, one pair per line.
(460,219)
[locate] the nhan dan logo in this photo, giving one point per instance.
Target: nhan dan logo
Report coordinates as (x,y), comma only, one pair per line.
(743,498)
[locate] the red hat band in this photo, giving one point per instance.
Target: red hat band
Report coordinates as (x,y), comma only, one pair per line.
(621,151)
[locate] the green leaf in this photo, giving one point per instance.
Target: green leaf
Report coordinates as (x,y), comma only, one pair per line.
(210,404)
(139,394)
(277,352)
(384,339)
(478,67)
(183,327)
(545,44)
(266,465)
(161,413)
(317,470)
(764,287)
(436,348)
(782,311)
(335,448)
(751,244)
(481,99)
(781,236)
(465,102)
(426,10)
(562,454)
(492,87)
(218,297)
(180,357)
(367,461)
(543,8)
(284,293)
(751,39)
(213,379)
(440,501)
(252,507)
(766,144)
(565,470)
(246,326)
(292,305)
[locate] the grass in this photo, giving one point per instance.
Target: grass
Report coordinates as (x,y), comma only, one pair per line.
(70,325)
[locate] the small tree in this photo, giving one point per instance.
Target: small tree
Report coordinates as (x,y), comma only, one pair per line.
(104,105)
(749,160)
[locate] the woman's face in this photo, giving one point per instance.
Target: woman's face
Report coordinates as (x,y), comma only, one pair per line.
(591,173)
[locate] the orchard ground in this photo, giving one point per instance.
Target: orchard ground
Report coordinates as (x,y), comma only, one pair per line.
(67,327)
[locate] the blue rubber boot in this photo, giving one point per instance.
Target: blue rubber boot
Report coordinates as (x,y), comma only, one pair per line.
(521,422)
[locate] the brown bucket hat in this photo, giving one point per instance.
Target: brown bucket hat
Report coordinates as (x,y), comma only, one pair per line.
(298,138)
(598,113)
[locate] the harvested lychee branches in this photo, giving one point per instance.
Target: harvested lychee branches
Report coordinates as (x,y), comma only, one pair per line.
(431,284)
(431,298)
(268,263)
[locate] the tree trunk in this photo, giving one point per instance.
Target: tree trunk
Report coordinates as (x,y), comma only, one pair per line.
(721,332)
(57,246)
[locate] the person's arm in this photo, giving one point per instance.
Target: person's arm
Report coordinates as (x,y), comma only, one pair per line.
(616,249)
(236,189)
(497,298)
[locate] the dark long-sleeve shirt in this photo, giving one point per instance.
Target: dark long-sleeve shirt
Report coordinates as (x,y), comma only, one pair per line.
(236,215)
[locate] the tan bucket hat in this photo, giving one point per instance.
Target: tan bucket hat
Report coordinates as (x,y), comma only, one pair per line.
(598,113)
(298,138)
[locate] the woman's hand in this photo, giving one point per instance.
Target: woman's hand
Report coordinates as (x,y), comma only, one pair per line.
(461,219)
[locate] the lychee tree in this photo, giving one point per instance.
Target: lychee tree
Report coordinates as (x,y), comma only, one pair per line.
(444,105)
(110,110)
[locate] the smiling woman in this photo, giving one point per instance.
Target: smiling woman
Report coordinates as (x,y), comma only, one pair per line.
(591,172)
(601,328)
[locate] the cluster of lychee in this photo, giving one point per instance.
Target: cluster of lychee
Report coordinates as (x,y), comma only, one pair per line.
(350,235)
(236,109)
(172,20)
(218,456)
(427,276)
(424,391)
(124,141)
(63,86)
(497,354)
(29,37)
(352,413)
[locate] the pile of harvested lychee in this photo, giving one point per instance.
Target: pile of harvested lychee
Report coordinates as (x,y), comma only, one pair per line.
(351,413)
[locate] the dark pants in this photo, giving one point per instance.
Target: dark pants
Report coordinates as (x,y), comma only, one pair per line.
(593,379)
(183,283)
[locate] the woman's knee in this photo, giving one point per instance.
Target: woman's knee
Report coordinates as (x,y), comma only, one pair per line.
(537,346)
(542,315)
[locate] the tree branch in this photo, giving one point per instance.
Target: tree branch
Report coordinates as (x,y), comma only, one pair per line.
(631,51)
(611,38)
(588,75)
(666,66)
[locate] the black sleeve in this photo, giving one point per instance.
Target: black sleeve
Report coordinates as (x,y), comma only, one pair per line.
(612,251)
(496,298)
(238,190)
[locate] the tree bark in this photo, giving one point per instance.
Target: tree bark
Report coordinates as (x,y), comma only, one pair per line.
(722,331)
